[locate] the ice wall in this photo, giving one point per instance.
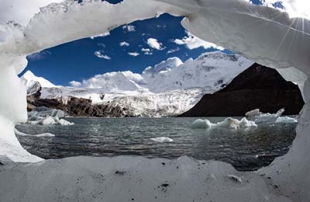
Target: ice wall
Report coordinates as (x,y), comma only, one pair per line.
(262,34)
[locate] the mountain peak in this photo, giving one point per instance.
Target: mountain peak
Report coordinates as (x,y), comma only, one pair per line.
(165,65)
(218,55)
(29,78)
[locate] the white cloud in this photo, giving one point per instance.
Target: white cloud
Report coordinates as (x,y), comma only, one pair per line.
(75,83)
(101,44)
(193,42)
(124,43)
(110,79)
(153,43)
(173,50)
(147,51)
(100,35)
(21,11)
(129,28)
(100,54)
(134,54)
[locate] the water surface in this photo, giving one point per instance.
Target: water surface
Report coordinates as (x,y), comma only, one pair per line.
(245,149)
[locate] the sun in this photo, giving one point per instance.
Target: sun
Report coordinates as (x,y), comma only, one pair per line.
(298,8)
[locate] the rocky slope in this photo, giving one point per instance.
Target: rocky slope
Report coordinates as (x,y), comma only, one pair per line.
(79,107)
(257,87)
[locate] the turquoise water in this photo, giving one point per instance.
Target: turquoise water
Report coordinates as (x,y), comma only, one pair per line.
(244,149)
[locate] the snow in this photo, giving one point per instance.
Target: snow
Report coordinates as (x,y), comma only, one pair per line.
(162,139)
(254,31)
(132,179)
(29,78)
(229,123)
(209,71)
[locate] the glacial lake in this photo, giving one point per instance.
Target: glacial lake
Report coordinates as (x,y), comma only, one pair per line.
(246,150)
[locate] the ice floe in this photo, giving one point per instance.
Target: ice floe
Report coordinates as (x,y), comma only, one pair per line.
(229,123)
(162,139)
(17,132)
(268,118)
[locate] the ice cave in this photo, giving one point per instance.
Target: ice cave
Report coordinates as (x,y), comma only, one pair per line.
(262,34)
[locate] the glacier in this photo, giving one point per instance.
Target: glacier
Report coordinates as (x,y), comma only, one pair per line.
(262,34)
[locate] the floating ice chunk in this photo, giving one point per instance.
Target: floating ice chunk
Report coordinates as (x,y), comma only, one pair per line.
(63,122)
(17,132)
(162,139)
(229,123)
(45,112)
(245,123)
(50,121)
(269,118)
(200,123)
(286,119)
(251,115)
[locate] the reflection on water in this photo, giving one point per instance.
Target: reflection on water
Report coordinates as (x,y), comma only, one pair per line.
(245,149)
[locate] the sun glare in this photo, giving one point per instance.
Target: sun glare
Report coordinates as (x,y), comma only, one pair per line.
(297,8)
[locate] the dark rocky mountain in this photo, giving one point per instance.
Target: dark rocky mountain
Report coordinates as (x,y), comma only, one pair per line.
(77,107)
(257,87)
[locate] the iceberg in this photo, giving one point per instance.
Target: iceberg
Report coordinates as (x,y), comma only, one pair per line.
(267,118)
(229,123)
(46,116)
(44,112)
(49,120)
(262,34)
(286,119)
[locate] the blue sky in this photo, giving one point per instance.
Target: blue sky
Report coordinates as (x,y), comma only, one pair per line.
(117,51)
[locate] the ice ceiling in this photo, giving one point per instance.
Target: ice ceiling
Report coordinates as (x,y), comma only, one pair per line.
(262,34)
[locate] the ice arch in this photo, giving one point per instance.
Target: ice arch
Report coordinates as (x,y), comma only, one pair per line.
(262,34)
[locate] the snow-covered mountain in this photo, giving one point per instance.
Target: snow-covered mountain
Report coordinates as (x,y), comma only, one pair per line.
(169,88)
(209,71)
(29,79)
